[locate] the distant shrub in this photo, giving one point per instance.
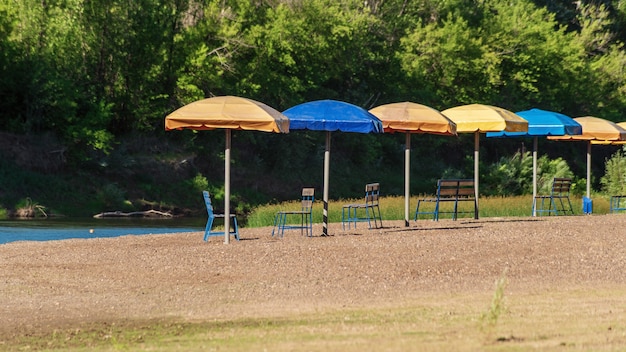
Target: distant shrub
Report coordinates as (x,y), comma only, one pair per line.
(111,196)
(514,175)
(614,179)
(548,169)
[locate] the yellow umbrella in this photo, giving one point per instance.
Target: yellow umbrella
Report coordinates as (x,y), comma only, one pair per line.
(595,131)
(410,118)
(620,124)
(230,113)
(477,118)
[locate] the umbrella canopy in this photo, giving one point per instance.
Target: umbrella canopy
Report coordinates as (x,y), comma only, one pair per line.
(542,123)
(595,131)
(477,118)
(410,118)
(485,118)
(620,124)
(329,116)
(413,118)
(230,113)
(332,115)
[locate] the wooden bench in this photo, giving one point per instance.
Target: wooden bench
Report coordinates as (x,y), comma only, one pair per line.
(557,202)
(370,209)
(450,190)
(618,203)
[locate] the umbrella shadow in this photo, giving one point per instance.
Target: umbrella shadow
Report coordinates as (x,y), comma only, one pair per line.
(496,220)
(411,229)
(249,239)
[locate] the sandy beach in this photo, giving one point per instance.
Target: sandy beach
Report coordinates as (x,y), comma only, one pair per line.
(73,283)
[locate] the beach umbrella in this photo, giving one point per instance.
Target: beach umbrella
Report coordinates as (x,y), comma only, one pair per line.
(605,142)
(331,116)
(595,131)
(479,118)
(542,123)
(411,118)
(229,113)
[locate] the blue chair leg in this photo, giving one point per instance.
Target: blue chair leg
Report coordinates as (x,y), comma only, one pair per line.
(236,233)
(275,223)
(283,223)
(207,229)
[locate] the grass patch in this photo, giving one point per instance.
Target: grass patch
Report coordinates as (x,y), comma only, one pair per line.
(489,319)
(582,320)
(392,208)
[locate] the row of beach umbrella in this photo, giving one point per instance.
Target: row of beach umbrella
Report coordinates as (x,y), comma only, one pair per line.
(238,113)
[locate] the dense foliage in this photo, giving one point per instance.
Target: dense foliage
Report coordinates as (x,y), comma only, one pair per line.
(614,180)
(98,77)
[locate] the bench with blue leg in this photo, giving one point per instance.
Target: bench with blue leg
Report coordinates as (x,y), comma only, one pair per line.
(557,202)
(304,216)
(364,212)
(618,203)
(454,191)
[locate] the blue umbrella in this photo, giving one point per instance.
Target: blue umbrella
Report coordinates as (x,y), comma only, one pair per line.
(542,123)
(330,116)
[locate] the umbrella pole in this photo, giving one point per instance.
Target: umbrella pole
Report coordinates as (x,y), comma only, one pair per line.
(534,172)
(407,175)
(476,148)
(326,179)
(589,170)
(227,188)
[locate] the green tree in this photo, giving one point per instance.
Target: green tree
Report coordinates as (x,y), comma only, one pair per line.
(539,63)
(449,58)
(507,54)
(309,50)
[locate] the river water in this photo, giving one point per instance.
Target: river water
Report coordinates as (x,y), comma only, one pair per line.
(59,229)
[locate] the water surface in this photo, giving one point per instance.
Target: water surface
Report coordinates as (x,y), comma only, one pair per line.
(60,229)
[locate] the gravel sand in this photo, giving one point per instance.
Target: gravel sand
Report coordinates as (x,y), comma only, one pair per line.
(63,284)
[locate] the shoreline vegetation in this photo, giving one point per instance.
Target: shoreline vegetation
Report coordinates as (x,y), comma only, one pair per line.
(392,208)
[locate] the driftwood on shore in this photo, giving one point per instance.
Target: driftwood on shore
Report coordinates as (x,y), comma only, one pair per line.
(138,214)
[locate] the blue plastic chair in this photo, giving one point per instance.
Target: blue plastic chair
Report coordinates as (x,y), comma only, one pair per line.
(208,231)
(305,214)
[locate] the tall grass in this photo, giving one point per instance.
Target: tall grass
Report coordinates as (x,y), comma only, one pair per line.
(392,208)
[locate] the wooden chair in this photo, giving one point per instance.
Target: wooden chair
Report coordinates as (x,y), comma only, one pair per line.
(208,231)
(557,202)
(305,214)
(370,209)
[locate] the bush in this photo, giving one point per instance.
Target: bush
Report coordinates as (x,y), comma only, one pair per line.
(513,176)
(613,181)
